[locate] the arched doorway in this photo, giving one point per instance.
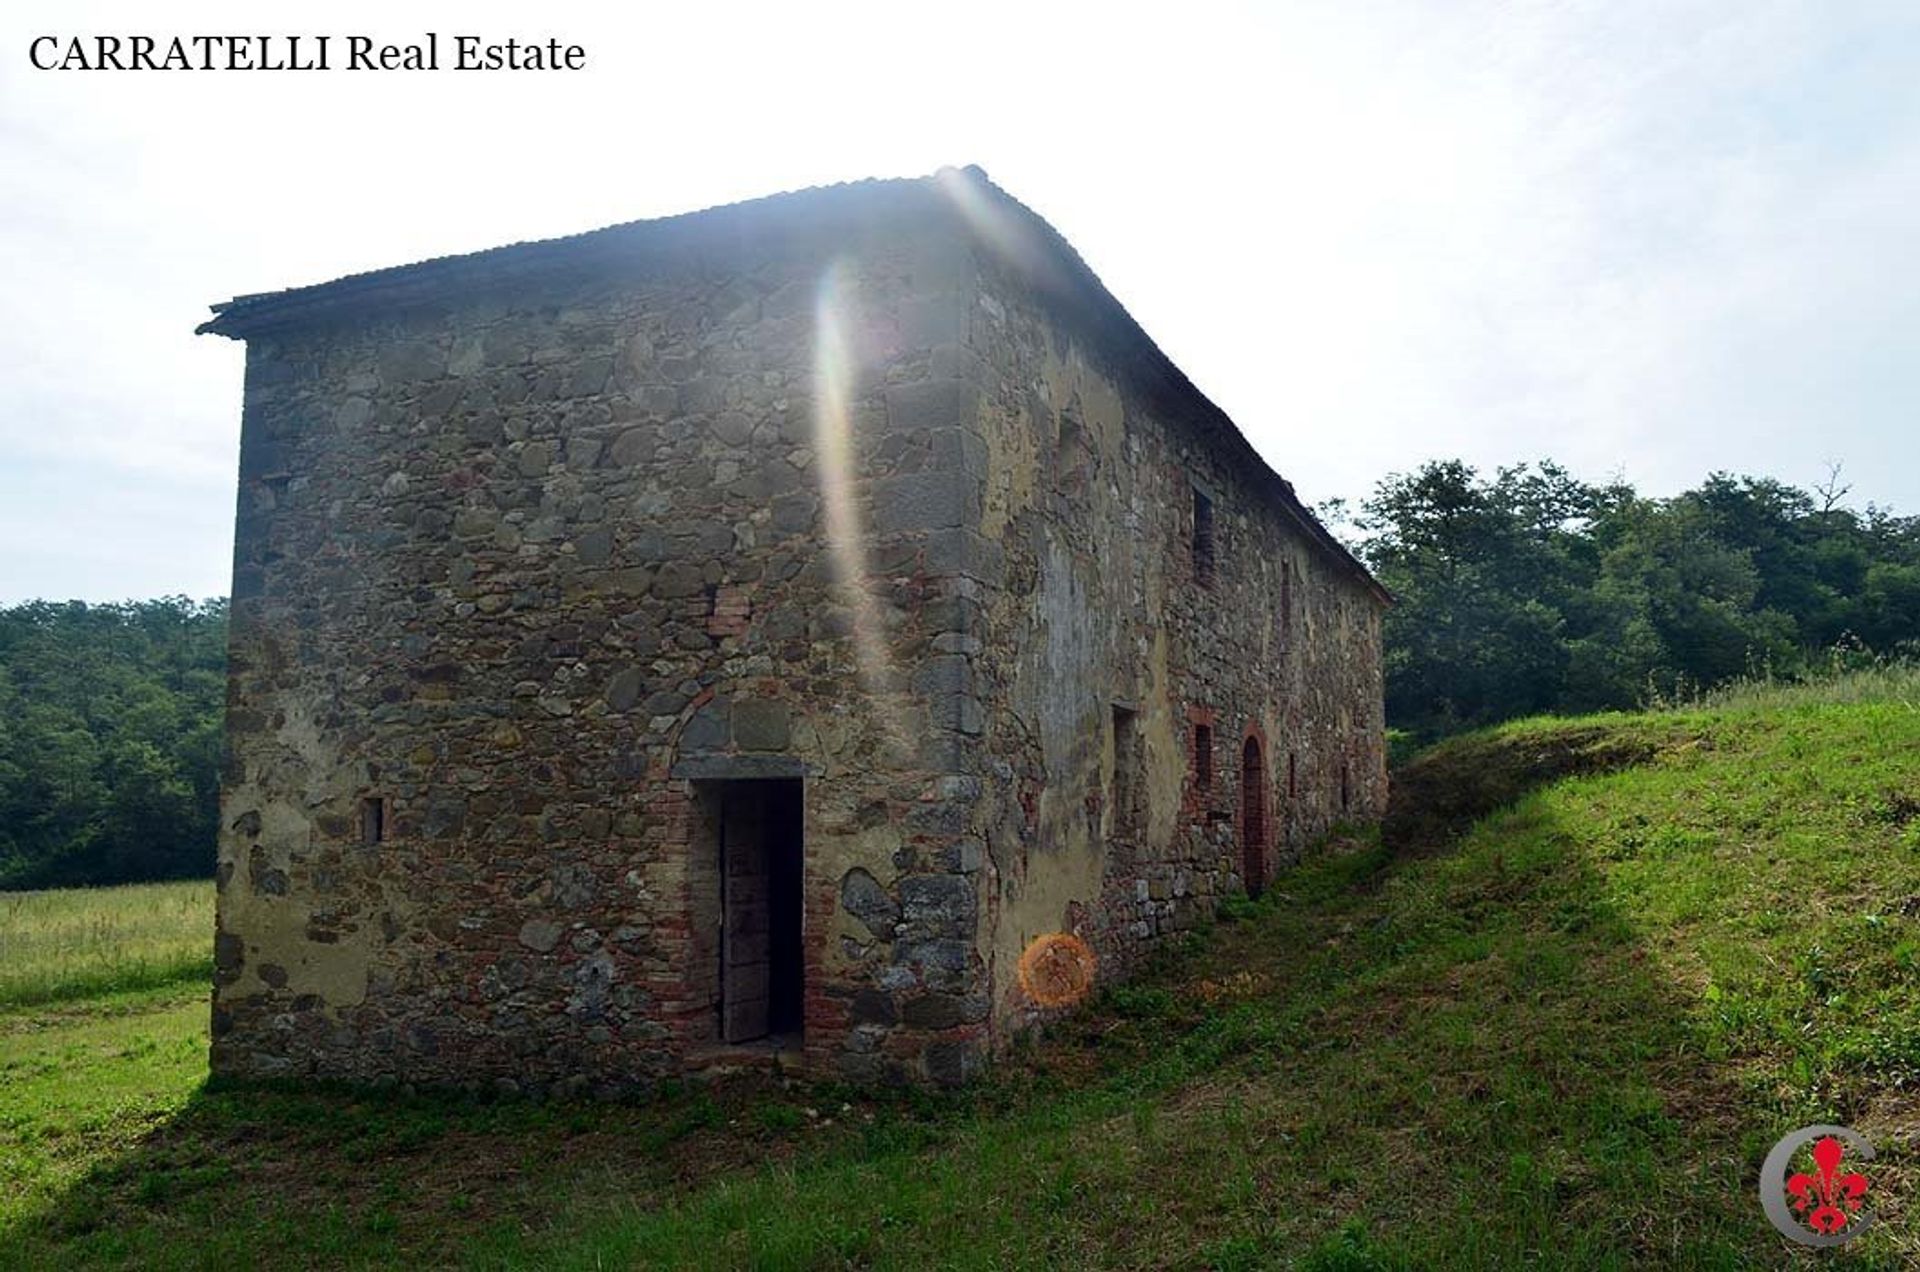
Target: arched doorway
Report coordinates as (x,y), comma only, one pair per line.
(1253,816)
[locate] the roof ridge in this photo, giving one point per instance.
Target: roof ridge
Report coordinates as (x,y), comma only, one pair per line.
(220,324)
(1182,385)
(1056,270)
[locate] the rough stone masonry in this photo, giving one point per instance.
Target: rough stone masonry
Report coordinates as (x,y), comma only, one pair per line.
(746,633)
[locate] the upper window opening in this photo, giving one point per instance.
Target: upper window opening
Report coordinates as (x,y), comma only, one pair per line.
(1203,538)
(1074,452)
(1287,602)
(1203,756)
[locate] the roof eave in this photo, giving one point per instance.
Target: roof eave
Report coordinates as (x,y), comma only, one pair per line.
(1075,283)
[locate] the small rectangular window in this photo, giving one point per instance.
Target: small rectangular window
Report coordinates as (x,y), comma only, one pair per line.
(1203,756)
(373,820)
(1126,763)
(1202,539)
(1286,604)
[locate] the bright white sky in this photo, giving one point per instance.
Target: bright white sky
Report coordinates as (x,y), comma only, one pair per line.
(1648,239)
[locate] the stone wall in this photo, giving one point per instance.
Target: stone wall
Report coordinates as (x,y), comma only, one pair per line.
(525,568)
(523,565)
(1105,651)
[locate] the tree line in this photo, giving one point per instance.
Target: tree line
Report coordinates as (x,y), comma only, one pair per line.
(110,734)
(1528,590)
(1519,592)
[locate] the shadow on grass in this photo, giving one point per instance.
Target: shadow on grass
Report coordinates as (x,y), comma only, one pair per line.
(1441,793)
(256,1173)
(137,978)
(1398,1058)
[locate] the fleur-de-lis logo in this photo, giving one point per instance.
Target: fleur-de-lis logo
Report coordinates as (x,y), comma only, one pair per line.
(1823,1208)
(1827,1200)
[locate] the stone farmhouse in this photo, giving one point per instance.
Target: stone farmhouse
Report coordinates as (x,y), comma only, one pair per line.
(770,631)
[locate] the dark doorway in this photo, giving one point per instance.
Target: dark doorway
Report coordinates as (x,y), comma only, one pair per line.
(762,859)
(1253,816)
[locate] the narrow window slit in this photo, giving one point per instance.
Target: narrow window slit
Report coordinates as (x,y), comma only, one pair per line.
(1286,604)
(1126,763)
(1203,539)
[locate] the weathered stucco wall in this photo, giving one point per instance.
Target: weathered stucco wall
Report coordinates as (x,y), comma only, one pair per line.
(519,567)
(1090,492)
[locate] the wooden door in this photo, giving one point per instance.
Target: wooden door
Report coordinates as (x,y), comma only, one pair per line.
(745,929)
(1253,817)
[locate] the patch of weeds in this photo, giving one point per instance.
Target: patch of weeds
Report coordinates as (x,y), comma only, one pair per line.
(889,1136)
(1145,1116)
(696,1113)
(1817,973)
(1351,1250)
(1894,807)
(780,1119)
(164,1184)
(1240,1254)
(1141,1001)
(1238,907)
(1061,1194)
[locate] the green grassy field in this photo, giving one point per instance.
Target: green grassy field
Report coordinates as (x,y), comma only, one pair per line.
(1565,1038)
(84,942)
(102,1027)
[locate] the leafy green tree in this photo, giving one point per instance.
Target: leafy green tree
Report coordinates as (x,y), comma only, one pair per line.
(109,740)
(1531,591)
(1484,572)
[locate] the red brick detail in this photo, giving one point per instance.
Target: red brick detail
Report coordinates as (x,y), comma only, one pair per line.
(1196,798)
(731,610)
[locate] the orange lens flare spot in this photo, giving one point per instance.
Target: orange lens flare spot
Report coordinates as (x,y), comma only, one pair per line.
(1057,969)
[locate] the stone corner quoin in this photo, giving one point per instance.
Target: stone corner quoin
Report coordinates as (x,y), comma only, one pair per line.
(743,631)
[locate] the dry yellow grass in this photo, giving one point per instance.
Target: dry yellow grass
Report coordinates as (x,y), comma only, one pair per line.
(81,942)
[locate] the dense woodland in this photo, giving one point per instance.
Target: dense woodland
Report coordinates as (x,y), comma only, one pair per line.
(109,740)
(1520,592)
(1529,591)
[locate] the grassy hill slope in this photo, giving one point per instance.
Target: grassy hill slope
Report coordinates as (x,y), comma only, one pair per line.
(1556,1020)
